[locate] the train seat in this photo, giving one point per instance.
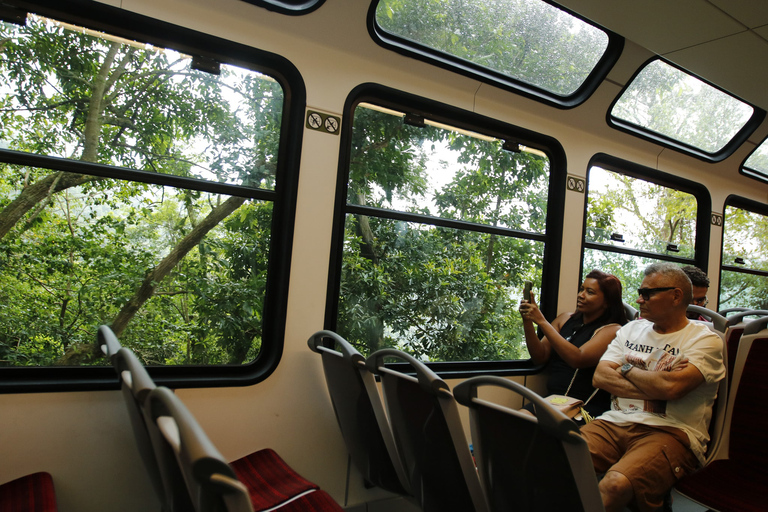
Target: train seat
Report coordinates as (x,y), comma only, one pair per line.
(528,463)
(736,323)
(270,480)
(429,435)
(720,326)
(29,493)
(135,385)
(738,482)
(630,312)
(259,482)
(715,320)
(726,311)
(360,413)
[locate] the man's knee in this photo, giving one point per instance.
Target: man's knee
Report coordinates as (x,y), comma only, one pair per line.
(616,487)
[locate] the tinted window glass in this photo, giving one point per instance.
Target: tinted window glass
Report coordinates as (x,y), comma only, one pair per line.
(442,228)
(744,276)
(668,101)
(527,40)
(632,223)
(756,166)
(82,95)
(628,212)
(164,229)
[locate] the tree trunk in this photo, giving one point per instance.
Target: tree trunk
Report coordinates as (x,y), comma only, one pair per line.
(56,182)
(37,192)
(367,249)
(153,278)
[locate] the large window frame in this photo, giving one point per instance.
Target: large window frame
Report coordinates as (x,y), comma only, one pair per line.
(758,115)
(752,206)
(754,165)
(487,75)
(132,26)
(634,170)
(447,115)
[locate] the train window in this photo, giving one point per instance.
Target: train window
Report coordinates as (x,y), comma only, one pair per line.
(744,271)
(633,222)
(138,188)
(442,227)
(530,45)
(674,107)
(756,165)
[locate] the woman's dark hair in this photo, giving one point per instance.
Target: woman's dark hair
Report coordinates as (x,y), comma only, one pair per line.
(610,285)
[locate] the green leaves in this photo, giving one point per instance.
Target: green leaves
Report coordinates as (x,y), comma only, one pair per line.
(76,249)
(440,293)
(527,40)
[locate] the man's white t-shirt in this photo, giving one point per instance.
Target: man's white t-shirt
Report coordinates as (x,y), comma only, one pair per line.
(637,343)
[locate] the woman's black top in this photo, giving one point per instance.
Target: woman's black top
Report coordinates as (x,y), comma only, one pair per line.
(560,373)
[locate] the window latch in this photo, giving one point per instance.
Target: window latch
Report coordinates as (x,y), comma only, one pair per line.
(206,64)
(510,145)
(414,120)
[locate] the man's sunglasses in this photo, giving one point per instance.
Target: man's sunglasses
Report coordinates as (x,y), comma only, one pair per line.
(647,293)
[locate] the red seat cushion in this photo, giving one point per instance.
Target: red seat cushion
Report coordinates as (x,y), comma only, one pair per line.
(270,481)
(726,486)
(31,493)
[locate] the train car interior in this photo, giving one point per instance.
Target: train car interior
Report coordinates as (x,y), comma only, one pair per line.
(284,232)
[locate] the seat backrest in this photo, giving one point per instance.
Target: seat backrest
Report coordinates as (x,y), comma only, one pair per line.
(720,405)
(736,323)
(718,322)
(108,342)
(429,436)
(360,412)
(211,482)
(746,422)
(135,385)
(528,463)
(630,312)
(726,311)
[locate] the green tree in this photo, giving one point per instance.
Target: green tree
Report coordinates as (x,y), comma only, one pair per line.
(439,293)
(647,215)
(666,100)
(533,42)
(743,235)
(79,249)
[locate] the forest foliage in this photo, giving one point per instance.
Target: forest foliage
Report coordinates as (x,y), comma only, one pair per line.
(178,271)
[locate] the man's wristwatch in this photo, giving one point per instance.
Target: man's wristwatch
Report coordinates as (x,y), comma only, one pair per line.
(624,370)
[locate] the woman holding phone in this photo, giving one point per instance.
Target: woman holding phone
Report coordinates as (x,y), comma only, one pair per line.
(573,343)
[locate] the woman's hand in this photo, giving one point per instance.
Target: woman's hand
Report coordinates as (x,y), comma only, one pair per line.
(529,311)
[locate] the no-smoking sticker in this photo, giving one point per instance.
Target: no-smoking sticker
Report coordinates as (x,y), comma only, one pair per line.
(323,122)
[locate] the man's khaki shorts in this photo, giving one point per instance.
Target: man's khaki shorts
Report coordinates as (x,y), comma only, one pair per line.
(652,458)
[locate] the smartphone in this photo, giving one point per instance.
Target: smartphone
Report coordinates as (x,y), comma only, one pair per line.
(527,291)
